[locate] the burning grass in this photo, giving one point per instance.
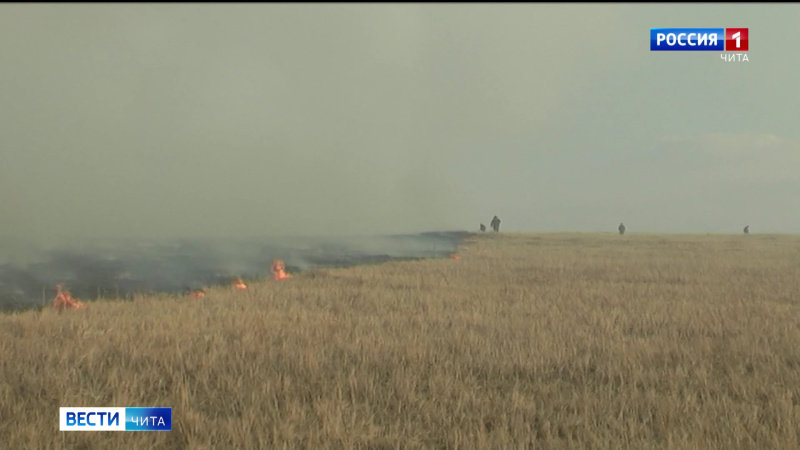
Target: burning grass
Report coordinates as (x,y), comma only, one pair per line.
(101,269)
(527,341)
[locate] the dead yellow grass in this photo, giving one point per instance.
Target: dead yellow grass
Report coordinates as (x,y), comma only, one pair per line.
(564,341)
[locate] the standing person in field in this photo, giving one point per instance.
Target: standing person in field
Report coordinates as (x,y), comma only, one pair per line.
(621,229)
(496,224)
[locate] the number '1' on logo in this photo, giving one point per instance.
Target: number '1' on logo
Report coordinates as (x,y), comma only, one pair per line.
(737,39)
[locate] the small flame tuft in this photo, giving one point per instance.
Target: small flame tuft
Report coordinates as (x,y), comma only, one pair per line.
(279,270)
(64,300)
(240,286)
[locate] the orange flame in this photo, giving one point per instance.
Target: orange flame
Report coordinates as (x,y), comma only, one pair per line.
(455,256)
(64,300)
(197,294)
(279,270)
(240,285)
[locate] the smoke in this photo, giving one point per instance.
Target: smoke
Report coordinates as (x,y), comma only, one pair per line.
(173,121)
(253,121)
(123,269)
(161,147)
(224,120)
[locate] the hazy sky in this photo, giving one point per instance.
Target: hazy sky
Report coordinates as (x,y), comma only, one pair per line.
(171,120)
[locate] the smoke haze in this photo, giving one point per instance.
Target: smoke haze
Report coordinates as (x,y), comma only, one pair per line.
(196,139)
(123,268)
(206,120)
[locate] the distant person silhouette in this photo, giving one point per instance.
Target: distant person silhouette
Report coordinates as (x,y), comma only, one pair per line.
(621,229)
(747,229)
(483,228)
(496,224)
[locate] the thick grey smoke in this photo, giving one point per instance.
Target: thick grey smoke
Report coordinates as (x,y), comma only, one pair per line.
(264,119)
(164,147)
(251,121)
(120,268)
(173,120)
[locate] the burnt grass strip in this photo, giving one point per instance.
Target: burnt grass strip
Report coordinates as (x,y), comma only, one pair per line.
(178,268)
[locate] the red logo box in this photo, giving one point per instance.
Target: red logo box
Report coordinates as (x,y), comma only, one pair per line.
(737,39)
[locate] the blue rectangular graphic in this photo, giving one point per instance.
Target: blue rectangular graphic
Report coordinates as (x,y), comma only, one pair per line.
(148,419)
(687,39)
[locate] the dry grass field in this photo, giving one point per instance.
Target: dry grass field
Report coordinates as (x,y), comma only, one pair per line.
(552,341)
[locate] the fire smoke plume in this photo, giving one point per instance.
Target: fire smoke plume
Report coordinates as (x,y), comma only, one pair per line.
(122,270)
